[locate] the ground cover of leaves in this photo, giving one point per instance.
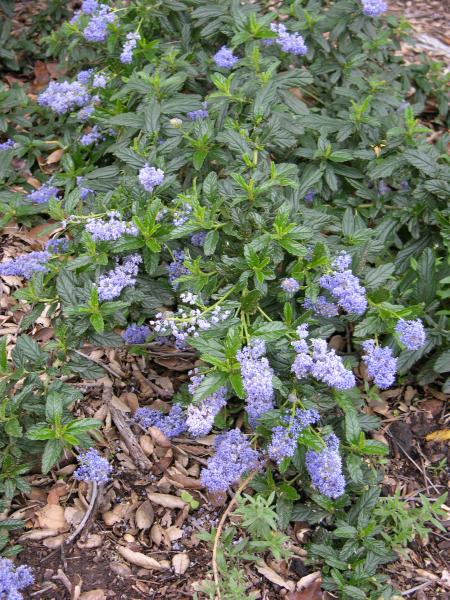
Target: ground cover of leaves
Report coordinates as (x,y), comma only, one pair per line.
(144,514)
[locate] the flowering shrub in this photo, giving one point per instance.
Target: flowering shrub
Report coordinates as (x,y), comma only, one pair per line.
(264,179)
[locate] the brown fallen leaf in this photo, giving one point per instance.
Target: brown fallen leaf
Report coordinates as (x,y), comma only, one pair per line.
(308,588)
(97,594)
(274,577)
(145,515)
(139,559)
(442,435)
(180,563)
(38,534)
(52,516)
(166,500)
(55,156)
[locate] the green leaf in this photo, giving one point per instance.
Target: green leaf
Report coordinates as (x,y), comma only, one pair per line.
(97,322)
(40,431)
(53,407)
(442,363)
(52,453)
(210,384)
(422,161)
(28,353)
(210,243)
(269,332)
(13,428)
(375,448)
(374,278)
(198,158)
(352,427)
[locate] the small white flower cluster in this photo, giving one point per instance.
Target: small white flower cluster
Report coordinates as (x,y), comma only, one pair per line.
(185,323)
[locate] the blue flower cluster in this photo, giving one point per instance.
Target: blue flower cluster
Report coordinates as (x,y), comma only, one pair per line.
(26,265)
(150,177)
(321,307)
(374,8)
(200,418)
(180,217)
(57,245)
(284,439)
(93,467)
(344,287)
(110,229)
(171,425)
(225,58)
(112,283)
(257,377)
(292,43)
(198,238)
(6,145)
(234,456)
(84,191)
(176,268)
(198,115)
(43,194)
(411,333)
(126,55)
(93,137)
(62,97)
(325,468)
(14,579)
(381,364)
(136,334)
(322,364)
(290,285)
(97,28)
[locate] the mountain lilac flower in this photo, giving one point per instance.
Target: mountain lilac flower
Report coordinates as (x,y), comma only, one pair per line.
(198,115)
(93,137)
(93,467)
(325,468)
(110,230)
(284,439)
(383,188)
(381,364)
(198,238)
(57,245)
(84,77)
(14,579)
(374,8)
(62,97)
(176,268)
(99,81)
(171,425)
(411,333)
(6,145)
(200,417)
(321,307)
(136,334)
(97,28)
(309,196)
(84,114)
(290,285)
(149,177)
(257,380)
(329,368)
(225,58)
(25,265)
(89,7)
(345,287)
(112,283)
(126,56)
(43,194)
(404,185)
(84,191)
(234,456)
(181,216)
(292,43)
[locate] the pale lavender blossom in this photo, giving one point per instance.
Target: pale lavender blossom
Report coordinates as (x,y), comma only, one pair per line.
(257,377)
(285,437)
(84,77)
(136,334)
(126,56)
(99,81)
(97,28)
(290,285)
(176,268)
(111,284)
(93,467)
(84,191)
(57,245)
(411,333)
(374,8)
(89,7)
(93,137)
(110,229)
(325,468)
(181,216)
(198,115)
(84,114)
(344,287)
(62,97)
(292,43)
(200,417)
(14,579)
(198,238)
(225,58)
(234,456)
(150,177)
(321,307)
(309,196)
(381,364)
(43,194)
(25,265)
(171,425)
(6,145)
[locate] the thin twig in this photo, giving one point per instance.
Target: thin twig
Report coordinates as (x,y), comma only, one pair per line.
(95,495)
(220,526)
(100,364)
(417,588)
